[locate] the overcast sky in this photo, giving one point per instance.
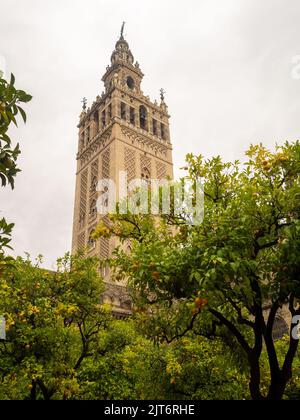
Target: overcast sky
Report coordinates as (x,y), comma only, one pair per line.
(226,66)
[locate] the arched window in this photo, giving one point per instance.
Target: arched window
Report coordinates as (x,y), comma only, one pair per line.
(104,272)
(105,202)
(94,184)
(91,241)
(130,82)
(146,176)
(81,219)
(96,122)
(163,131)
(128,247)
(103,119)
(123,111)
(143,117)
(93,208)
(132,115)
(88,134)
(154,127)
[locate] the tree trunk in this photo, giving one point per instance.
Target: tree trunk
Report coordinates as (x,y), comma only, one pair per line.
(254,384)
(33,391)
(47,394)
(277,387)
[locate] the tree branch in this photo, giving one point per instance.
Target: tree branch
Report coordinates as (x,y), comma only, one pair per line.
(232,328)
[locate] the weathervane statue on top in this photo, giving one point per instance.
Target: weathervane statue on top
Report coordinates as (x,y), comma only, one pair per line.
(122,30)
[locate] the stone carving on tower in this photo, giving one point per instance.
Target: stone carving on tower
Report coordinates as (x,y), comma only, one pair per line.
(123,130)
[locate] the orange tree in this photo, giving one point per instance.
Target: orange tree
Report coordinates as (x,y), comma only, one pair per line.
(62,344)
(10,99)
(54,321)
(218,277)
(136,368)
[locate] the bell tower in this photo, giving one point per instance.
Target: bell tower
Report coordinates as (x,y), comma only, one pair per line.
(123,130)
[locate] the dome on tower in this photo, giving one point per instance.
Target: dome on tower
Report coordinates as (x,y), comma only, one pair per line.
(122,52)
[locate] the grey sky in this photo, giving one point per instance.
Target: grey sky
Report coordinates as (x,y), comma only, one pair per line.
(225,65)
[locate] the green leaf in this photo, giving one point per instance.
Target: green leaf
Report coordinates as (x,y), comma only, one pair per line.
(23,114)
(12,79)
(3,113)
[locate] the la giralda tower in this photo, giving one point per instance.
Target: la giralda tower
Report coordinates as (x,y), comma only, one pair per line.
(123,130)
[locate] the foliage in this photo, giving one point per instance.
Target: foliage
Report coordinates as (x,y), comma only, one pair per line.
(199,369)
(53,320)
(10,98)
(136,368)
(62,344)
(293,387)
(219,277)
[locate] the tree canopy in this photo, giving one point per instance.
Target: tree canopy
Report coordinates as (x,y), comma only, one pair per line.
(230,275)
(10,99)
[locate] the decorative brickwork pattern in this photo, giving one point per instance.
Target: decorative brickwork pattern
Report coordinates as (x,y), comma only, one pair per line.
(129,163)
(83,198)
(81,241)
(105,242)
(92,209)
(145,164)
(94,176)
(104,248)
(106,164)
(161,170)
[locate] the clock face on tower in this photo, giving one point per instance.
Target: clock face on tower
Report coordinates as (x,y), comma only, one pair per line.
(130,82)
